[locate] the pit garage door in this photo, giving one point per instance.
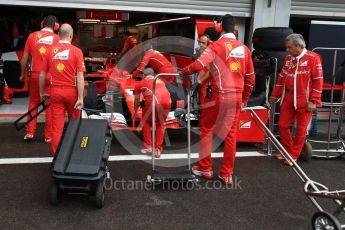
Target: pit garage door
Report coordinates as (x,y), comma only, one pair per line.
(324,8)
(238,8)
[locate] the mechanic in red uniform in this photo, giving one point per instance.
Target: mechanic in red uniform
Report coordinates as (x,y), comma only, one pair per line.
(38,44)
(299,87)
(204,74)
(163,104)
(65,63)
(157,62)
(130,42)
(232,79)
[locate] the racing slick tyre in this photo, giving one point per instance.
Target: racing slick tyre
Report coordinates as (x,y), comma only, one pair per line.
(270,38)
(325,220)
(54,194)
(307,152)
(280,55)
(100,195)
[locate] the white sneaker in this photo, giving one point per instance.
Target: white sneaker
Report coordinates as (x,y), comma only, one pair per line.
(146,150)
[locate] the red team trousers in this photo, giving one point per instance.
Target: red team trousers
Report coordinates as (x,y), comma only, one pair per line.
(162,111)
(219,115)
(287,116)
(62,99)
(34,99)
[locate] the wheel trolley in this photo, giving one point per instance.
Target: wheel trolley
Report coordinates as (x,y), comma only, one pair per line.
(160,177)
(321,219)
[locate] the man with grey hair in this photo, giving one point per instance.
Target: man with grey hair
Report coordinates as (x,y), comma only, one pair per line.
(65,63)
(299,88)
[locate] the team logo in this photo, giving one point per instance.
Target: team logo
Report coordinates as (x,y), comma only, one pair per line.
(305,63)
(245,124)
(60,67)
(234,66)
(42,50)
(228,48)
(39,35)
(292,65)
(55,50)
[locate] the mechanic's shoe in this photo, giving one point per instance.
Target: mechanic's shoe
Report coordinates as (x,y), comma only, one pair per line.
(206,174)
(226,180)
(288,163)
(279,156)
(146,150)
(28,137)
(158,153)
(47,140)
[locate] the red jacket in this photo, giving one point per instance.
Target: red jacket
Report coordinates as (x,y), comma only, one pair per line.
(304,76)
(130,43)
(144,87)
(38,44)
(230,65)
(157,61)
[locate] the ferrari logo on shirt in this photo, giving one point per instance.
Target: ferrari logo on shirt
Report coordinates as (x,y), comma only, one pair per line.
(55,50)
(39,35)
(60,67)
(292,65)
(42,50)
(234,66)
(228,48)
(63,55)
(46,40)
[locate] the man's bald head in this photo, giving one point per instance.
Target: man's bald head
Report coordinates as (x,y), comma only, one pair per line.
(66,32)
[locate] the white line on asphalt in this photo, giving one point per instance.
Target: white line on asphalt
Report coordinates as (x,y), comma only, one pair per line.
(35,160)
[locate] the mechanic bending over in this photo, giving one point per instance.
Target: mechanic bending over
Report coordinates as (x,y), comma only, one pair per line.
(299,87)
(162,99)
(65,63)
(158,62)
(232,79)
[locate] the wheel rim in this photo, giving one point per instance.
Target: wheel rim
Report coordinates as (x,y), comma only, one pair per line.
(323,223)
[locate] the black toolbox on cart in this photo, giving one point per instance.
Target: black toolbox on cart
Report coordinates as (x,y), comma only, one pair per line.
(80,165)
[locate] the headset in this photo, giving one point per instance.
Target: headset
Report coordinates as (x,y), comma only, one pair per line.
(56,25)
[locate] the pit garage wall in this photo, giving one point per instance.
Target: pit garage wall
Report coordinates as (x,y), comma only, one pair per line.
(238,8)
(318,8)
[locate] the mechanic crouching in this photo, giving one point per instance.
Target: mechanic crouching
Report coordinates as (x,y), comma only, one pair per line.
(162,108)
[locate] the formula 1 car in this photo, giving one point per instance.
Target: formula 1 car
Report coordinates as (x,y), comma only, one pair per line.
(115,97)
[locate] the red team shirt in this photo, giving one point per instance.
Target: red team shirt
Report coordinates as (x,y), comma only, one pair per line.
(231,69)
(156,60)
(145,87)
(63,62)
(39,44)
(303,76)
(130,43)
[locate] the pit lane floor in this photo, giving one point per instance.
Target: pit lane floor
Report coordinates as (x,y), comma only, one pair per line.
(266,194)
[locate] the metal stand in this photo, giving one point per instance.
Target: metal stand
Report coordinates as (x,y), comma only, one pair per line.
(160,177)
(321,219)
(336,142)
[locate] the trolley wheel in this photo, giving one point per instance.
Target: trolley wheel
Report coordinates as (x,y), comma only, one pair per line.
(100,195)
(54,194)
(307,152)
(325,220)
